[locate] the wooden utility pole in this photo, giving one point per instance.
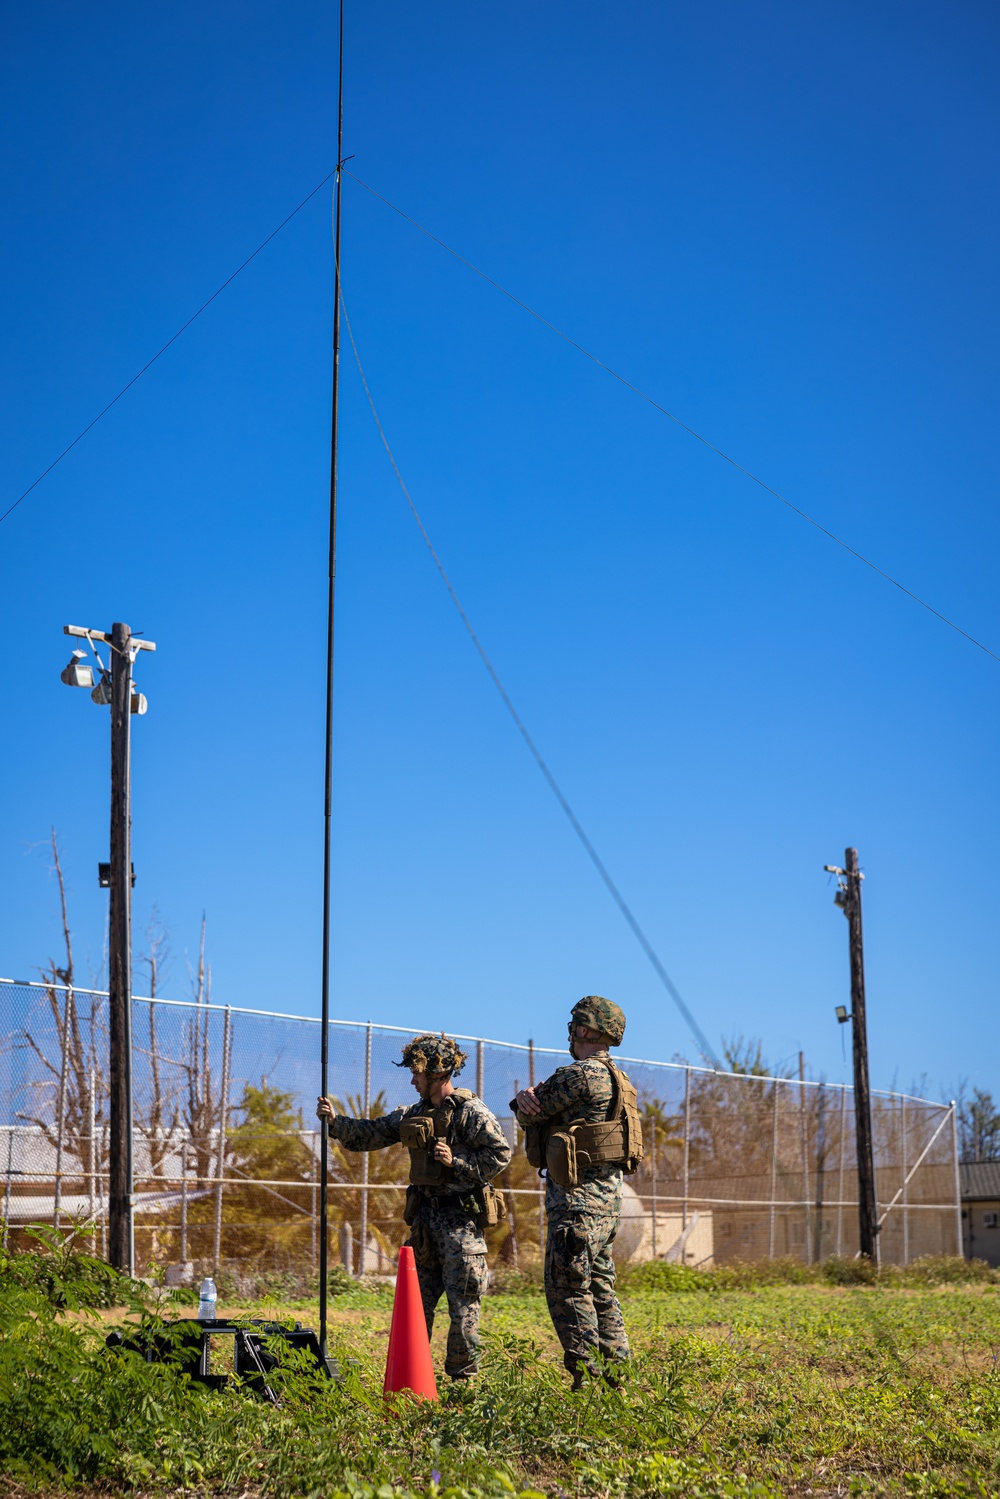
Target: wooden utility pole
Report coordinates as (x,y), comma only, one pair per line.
(867,1211)
(115,689)
(121,1234)
(848,897)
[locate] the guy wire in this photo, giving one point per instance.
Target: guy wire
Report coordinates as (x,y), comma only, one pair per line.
(533,749)
(160,352)
(650,401)
(803,515)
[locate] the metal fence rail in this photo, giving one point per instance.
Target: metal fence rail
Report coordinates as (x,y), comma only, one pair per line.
(226,1152)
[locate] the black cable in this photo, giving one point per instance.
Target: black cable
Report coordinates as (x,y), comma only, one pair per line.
(553,784)
(675,419)
(149,363)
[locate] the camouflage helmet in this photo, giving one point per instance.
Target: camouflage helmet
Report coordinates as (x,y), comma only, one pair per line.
(438,1056)
(601,1015)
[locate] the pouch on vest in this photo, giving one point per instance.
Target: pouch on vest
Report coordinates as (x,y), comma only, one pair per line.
(535,1141)
(560,1157)
(491,1207)
(615,1141)
(417,1134)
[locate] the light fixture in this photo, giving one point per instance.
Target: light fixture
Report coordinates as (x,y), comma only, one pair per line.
(841,1014)
(102,692)
(77,672)
(138,702)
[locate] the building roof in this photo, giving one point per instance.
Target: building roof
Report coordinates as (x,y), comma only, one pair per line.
(79,1205)
(979,1179)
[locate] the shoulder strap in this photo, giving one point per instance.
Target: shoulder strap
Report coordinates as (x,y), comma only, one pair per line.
(444,1114)
(616,1094)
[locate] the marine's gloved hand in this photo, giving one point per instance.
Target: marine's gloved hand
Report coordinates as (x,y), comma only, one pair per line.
(527,1102)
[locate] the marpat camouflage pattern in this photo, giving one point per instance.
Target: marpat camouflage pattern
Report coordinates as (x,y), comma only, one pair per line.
(450,1254)
(447,1243)
(582,1224)
(478,1145)
(601,1015)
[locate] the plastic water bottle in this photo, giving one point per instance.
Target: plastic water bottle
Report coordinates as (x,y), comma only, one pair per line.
(207,1300)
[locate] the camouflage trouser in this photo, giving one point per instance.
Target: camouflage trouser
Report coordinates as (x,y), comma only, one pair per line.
(580,1273)
(450,1252)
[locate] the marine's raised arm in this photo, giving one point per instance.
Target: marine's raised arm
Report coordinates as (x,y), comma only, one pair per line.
(362,1134)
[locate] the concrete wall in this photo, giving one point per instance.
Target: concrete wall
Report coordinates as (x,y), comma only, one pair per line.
(980,1240)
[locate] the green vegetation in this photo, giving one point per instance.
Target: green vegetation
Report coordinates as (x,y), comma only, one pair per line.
(59,1275)
(760,1380)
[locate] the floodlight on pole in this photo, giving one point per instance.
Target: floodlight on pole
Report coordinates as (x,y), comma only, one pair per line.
(77,672)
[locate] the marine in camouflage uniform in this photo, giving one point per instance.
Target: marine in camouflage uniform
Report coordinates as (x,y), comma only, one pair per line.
(446,1238)
(583,1220)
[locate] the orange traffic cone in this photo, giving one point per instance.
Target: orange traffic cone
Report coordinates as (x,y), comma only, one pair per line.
(408,1365)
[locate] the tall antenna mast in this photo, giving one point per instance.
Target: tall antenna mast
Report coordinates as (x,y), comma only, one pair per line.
(324,1146)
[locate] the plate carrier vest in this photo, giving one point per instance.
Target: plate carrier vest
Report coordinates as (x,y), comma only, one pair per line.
(419,1133)
(567,1151)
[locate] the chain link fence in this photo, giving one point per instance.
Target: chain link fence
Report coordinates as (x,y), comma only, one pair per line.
(226,1149)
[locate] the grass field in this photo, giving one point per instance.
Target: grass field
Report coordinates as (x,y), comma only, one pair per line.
(738,1388)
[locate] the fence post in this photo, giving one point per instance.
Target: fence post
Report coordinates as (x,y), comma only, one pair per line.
(227,1036)
(480,1067)
(960,1251)
(6,1192)
(184,1202)
(687,1152)
(654,1124)
(541,1189)
(92,1160)
(102,1206)
(363,1246)
(315,1215)
(840,1177)
(906,1187)
(774,1169)
(512,1230)
(61,1112)
(805,1156)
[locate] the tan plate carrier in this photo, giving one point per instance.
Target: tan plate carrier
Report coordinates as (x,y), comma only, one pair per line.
(419,1134)
(567,1152)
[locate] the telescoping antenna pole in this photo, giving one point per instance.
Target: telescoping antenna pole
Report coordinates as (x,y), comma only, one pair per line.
(324,1146)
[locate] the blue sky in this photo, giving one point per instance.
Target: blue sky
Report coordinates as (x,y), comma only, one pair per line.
(780,221)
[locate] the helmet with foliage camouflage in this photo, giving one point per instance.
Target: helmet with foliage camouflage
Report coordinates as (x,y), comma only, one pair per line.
(601,1015)
(438,1056)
